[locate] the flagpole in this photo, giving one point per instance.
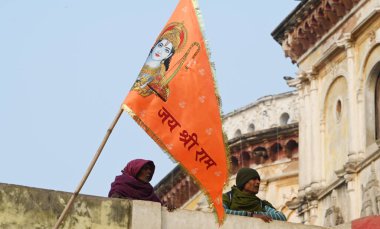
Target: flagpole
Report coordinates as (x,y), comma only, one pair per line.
(90,167)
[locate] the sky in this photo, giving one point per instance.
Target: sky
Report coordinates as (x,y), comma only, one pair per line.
(67,65)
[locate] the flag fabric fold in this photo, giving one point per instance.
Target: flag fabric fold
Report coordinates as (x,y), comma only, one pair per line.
(175,100)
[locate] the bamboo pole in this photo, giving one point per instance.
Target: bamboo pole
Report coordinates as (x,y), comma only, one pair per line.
(90,167)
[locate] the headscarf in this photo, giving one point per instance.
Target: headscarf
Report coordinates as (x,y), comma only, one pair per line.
(128,186)
(244,175)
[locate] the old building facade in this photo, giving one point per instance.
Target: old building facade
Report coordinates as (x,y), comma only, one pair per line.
(335,44)
(323,139)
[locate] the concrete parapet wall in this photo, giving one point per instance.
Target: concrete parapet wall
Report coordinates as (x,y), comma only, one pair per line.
(201,220)
(25,207)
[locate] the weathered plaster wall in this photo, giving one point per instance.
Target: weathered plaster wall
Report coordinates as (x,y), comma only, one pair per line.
(186,219)
(263,114)
(336,134)
(24,207)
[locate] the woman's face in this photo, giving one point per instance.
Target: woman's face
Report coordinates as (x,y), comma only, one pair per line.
(146,173)
(162,50)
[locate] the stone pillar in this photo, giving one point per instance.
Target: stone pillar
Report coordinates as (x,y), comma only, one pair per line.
(322,147)
(302,141)
(354,206)
(314,155)
(308,135)
(361,123)
(314,132)
(353,108)
(355,130)
(304,150)
(306,214)
(313,212)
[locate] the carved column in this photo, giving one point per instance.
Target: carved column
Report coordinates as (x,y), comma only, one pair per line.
(313,211)
(306,160)
(311,152)
(311,198)
(314,133)
(301,204)
(353,109)
(307,134)
(361,123)
(355,130)
(354,207)
(302,141)
(322,128)
(305,213)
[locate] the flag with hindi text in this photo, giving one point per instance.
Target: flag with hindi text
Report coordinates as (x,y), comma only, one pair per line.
(175,100)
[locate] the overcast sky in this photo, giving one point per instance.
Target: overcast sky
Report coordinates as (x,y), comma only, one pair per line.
(67,65)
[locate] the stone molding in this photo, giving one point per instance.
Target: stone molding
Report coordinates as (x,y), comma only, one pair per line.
(310,23)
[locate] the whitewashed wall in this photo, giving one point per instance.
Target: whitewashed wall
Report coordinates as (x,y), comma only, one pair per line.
(265,113)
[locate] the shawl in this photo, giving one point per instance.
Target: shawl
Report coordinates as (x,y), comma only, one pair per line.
(128,186)
(245,201)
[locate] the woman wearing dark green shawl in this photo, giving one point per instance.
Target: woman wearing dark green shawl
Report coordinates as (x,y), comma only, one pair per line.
(242,199)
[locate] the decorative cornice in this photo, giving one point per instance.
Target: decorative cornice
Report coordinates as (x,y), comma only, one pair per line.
(261,100)
(374,155)
(271,133)
(346,41)
(308,23)
(294,83)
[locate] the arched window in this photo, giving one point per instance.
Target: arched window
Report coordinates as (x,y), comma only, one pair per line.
(338,110)
(234,164)
(251,128)
(284,119)
(274,150)
(260,154)
(237,133)
(246,158)
(291,148)
(377,107)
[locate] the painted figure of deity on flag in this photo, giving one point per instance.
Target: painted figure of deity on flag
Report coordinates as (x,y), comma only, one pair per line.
(158,70)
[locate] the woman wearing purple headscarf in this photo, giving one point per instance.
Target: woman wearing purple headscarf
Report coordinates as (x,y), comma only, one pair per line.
(133,183)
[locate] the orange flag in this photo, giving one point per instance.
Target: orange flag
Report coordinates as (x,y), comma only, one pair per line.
(175,100)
